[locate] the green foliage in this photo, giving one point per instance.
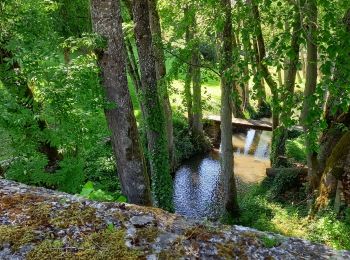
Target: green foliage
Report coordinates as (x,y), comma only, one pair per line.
(259,210)
(269,242)
(185,144)
(89,191)
(284,181)
(100,168)
(328,229)
(296,151)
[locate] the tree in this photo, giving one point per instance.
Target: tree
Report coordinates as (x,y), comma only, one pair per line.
(309,92)
(107,22)
(333,155)
(281,133)
(228,179)
(189,67)
(161,77)
(259,48)
(152,110)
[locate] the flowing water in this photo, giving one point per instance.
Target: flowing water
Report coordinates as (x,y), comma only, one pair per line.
(197,190)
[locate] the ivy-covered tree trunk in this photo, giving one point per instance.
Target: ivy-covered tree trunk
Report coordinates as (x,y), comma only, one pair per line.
(309,99)
(228,179)
(107,22)
(281,133)
(162,82)
(152,109)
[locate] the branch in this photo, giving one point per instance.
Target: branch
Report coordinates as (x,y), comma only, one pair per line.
(191,64)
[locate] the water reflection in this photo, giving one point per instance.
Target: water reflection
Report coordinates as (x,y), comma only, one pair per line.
(196,183)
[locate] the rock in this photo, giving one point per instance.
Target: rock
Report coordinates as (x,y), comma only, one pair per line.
(45,224)
(141,221)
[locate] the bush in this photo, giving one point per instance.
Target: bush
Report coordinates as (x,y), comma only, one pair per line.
(186,145)
(296,150)
(331,231)
(100,168)
(260,211)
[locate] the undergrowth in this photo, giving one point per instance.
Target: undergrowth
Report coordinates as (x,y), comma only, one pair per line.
(261,210)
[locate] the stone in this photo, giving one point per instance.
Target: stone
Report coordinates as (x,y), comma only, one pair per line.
(40,220)
(141,221)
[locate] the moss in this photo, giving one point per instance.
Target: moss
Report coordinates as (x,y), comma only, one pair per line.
(49,249)
(39,214)
(18,199)
(106,244)
(270,242)
(75,215)
(148,234)
(226,251)
(200,233)
(176,250)
(16,236)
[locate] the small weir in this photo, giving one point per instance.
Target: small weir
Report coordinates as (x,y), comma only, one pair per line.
(196,184)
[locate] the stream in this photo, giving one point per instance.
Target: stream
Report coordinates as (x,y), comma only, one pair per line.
(196,184)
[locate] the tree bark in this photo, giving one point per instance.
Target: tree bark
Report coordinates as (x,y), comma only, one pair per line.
(153,113)
(310,88)
(228,180)
(107,22)
(161,74)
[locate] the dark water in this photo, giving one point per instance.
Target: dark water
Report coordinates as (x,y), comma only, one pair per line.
(197,192)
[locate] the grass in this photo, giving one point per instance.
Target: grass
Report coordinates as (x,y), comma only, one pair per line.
(6,151)
(291,219)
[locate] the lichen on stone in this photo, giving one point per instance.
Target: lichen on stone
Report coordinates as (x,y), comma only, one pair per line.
(36,223)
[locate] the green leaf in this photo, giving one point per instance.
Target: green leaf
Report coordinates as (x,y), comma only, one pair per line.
(122,198)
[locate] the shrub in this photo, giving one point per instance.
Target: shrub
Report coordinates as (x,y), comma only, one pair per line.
(296,151)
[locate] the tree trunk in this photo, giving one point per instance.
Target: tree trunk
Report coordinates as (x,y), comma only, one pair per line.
(106,17)
(238,88)
(197,127)
(310,88)
(228,179)
(162,82)
(334,142)
(258,80)
(132,66)
(259,47)
(281,134)
(188,78)
(153,113)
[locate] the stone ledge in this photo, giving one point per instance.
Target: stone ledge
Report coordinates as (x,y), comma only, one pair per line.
(37,223)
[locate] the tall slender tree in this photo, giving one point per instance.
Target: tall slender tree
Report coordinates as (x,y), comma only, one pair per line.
(152,109)
(107,22)
(188,78)
(280,134)
(228,179)
(310,88)
(197,126)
